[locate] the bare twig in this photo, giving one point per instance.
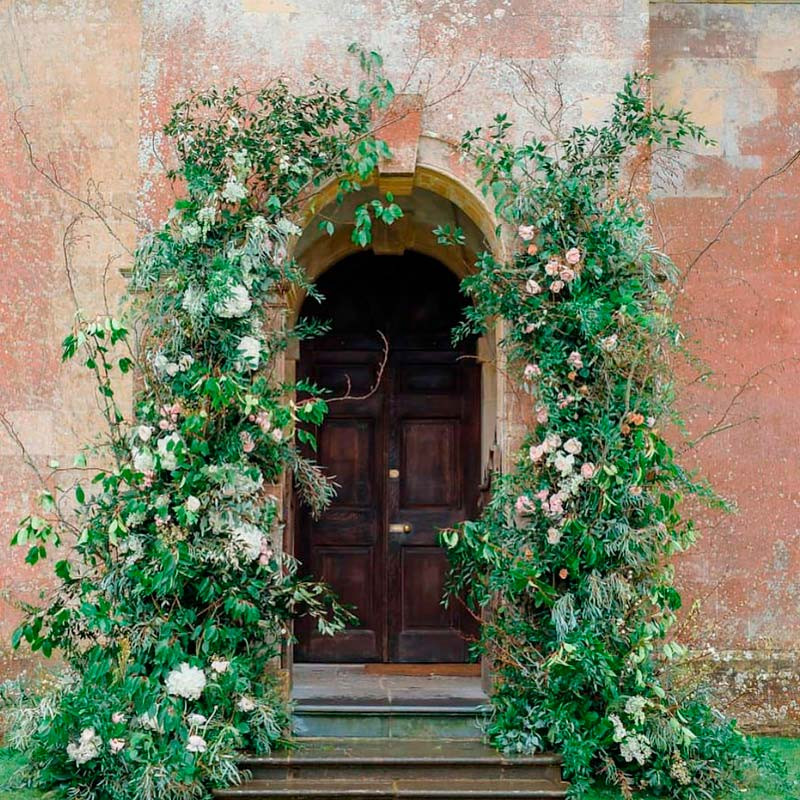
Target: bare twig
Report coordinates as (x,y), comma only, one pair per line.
(374,388)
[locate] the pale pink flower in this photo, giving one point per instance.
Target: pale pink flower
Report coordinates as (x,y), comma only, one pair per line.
(526,232)
(553,535)
(532,371)
(264,420)
(552,268)
(564,463)
(537,452)
(567,275)
(566,401)
(115,745)
(556,505)
(532,287)
(524,505)
(651,421)
(530,327)
(166,425)
(277,435)
(587,470)
(248,443)
(573,446)
(118,718)
(573,255)
(551,442)
(556,286)
(635,491)
(542,495)
(574,359)
(542,415)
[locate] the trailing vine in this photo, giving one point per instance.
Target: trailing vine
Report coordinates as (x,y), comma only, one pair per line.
(569,564)
(177,597)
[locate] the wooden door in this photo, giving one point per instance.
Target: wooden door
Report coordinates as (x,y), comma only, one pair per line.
(407,462)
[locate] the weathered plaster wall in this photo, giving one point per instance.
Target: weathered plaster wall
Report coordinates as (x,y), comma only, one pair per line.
(71,71)
(737,67)
(95,81)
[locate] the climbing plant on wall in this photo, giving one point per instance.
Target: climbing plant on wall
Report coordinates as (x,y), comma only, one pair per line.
(177,598)
(569,564)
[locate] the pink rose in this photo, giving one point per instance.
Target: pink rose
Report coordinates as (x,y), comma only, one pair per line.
(530,327)
(542,495)
(574,360)
(541,415)
(524,505)
(556,505)
(573,446)
(526,232)
(264,421)
(248,444)
(116,745)
(573,255)
(551,442)
(532,371)
(567,275)
(587,470)
(117,718)
(532,287)
(537,452)
(556,286)
(552,268)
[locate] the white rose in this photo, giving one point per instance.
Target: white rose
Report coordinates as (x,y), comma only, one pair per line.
(166,451)
(234,190)
(246,704)
(248,539)
(196,720)
(564,464)
(192,504)
(196,744)
(235,305)
(277,435)
(249,349)
(220,666)
(86,748)
(144,432)
(185,362)
(186,681)
(143,461)
(573,446)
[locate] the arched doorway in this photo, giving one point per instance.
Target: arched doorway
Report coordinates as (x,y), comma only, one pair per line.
(404,446)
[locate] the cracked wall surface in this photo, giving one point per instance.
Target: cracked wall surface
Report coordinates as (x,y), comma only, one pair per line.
(93,83)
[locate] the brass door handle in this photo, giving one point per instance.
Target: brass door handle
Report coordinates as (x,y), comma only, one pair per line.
(399,527)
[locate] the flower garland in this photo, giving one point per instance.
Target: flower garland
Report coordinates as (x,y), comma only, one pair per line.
(569,563)
(178,597)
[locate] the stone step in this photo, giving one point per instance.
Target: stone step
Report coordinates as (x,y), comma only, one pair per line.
(394,790)
(403,759)
(392,721)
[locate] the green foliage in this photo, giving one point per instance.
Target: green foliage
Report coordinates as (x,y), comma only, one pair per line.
(176,599)
(569,563)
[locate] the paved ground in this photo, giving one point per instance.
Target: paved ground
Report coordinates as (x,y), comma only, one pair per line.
(361,684)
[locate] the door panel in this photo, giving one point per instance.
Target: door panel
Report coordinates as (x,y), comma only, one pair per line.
(345,547)
(406,457)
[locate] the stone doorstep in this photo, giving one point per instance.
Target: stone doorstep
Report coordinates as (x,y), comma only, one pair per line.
(404,759)
(335,720)
(445,769)
(452,789)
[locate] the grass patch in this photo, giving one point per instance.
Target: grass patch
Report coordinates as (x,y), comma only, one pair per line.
(788,749)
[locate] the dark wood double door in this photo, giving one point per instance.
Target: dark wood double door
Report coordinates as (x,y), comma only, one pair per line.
(406,459)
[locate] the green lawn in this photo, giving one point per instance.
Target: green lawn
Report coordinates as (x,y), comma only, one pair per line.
(789,749)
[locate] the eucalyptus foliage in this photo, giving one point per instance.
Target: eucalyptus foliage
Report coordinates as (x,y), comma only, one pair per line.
(177,599)
(569,564)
